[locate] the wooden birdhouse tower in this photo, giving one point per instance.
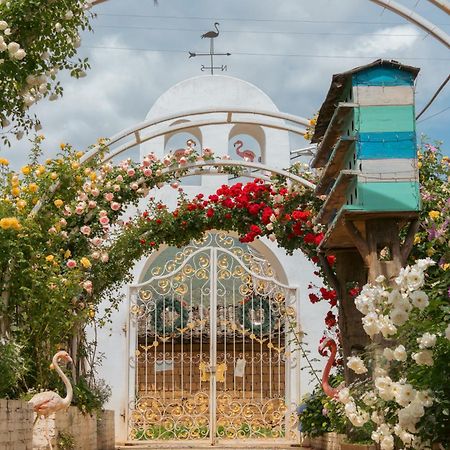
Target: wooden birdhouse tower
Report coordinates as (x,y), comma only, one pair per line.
(367,151)
(366,140)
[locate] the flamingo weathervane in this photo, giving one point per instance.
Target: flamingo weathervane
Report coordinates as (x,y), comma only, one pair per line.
(211,35)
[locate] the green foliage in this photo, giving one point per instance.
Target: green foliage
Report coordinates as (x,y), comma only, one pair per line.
(48,36)
(66,441)
(318,414)
(90,397)
(12,367)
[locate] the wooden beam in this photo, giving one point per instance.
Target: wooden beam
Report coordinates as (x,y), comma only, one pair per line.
(359,241)
(409,240)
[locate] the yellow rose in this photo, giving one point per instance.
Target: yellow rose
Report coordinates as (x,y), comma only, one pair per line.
(49,258)
(40,170)
(10,222)
(67,254)
(54,176)
(33,187)
(446,266)
(26,170)
(431,251)
(417,239)
(87,171)
(419,165)
(434,214)
(93,176)
(4,162)
(62,146)
(58,203)
(85,263)
(15,191)
(91,313)
(48,161)
(21,204)
(75,165)
(79,154)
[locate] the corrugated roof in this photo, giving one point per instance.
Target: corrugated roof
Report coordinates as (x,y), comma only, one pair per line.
(338,83)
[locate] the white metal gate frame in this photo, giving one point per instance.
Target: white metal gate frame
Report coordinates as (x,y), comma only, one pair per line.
(292,370)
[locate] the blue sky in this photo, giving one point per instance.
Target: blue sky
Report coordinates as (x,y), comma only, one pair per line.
(289,49)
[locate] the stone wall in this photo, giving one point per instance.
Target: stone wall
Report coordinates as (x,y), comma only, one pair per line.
(86,432)
(16,425)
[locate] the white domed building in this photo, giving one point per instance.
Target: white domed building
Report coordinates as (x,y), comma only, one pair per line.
(198,349)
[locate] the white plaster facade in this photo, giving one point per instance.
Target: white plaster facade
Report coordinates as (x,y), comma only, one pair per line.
(196,93)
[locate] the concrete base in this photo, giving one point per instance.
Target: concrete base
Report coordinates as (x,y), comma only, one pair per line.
(199,445)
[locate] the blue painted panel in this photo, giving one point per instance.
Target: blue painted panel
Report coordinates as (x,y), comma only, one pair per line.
(387,145)
(383,76)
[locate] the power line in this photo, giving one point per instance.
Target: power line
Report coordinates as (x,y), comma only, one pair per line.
(313,33)
(434,96)
(434,115)
(298,55)
(241,19)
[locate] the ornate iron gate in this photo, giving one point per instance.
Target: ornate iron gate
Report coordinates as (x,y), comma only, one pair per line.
(211,354)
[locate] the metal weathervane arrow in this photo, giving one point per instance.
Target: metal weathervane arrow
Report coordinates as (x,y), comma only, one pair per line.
(211,35)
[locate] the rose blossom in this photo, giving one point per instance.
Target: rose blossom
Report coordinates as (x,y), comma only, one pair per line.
(109,196)
(95,255)
(134,186)
(71,264)
(115,206)
(96,241)
(86,230)
(92,204)
(104,220)
(102,213)
(105,257)
(95,192)
(147,172)
(400,353)
(356,364)
(427,341)
(116,188)
(419,299)
(87,285)
(423,358)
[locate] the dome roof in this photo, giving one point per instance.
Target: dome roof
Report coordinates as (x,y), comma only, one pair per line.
(208,91)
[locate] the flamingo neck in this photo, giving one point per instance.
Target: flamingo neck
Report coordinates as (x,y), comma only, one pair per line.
(239,145)
(216,27)
(331,392)
(69,391)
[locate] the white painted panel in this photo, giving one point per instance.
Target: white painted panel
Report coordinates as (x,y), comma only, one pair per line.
(383,95)
(401,169)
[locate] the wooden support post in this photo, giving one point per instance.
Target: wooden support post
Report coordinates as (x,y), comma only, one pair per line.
(350,269)
(409,240)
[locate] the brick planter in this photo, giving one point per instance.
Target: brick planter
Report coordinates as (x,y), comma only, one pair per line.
(328,441)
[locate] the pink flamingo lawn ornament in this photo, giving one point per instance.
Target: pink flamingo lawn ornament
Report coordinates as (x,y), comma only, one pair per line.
(330,391)
(46,403)
(248,155)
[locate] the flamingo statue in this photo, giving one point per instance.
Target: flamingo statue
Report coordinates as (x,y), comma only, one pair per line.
(46,403)
(248,155)
(330,391)
(212,34)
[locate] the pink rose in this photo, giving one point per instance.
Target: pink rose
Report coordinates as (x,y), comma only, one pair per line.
(92,204)
(95,192)
(82,197)
(148,172)
(52,230)
(166,161)
(87,285)
(71,264)
(104,220)
(134,186)
(131,172)
(109,196)
(67,211)
(119,178)
(146,162)
(96,241)
(105,257)
(116,188)
(86,230)
(174,185)
(102,213)
(182,160)
(115,206)
(158,172)
(95,255)
(63,222)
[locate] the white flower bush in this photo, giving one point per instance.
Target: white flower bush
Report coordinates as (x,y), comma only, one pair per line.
(393,406)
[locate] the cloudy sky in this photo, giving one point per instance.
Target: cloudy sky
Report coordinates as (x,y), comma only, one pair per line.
(288,48)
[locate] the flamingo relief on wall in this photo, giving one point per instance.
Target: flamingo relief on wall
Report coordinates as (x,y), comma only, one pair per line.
(190,145)
(247,155)
(46,403)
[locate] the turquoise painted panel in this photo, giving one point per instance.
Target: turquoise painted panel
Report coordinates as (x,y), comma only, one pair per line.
(389,196)
(385,118)
(383,76)
(387,145)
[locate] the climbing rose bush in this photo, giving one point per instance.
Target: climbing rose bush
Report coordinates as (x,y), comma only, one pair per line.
(409,390)
(38,39)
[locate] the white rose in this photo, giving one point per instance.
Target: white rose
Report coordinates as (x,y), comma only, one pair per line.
(415,279)
(388,354)
(68,15)
(20,54)
(3,25)
(399,316)
(58,27)
(387,442)
(395,297)
(427,341)
(3,45)
(387,328)
(400,353)
(369,398)
(423,264)
(405,395)
(344,395)
(13,47)
(423,358)
(419,299)
(356,364)
(269,226)
(425,398)
(370,324)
